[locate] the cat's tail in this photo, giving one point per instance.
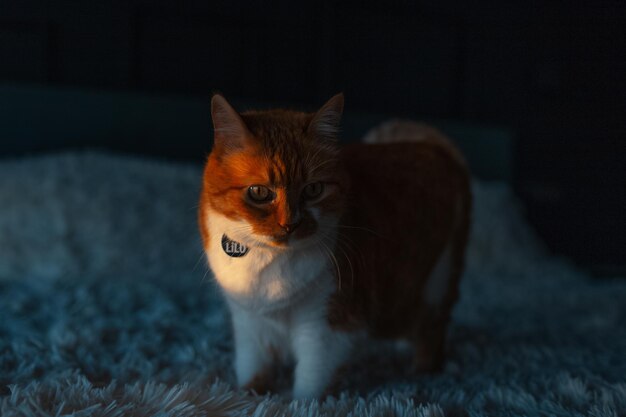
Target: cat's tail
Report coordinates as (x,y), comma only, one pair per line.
(398,130)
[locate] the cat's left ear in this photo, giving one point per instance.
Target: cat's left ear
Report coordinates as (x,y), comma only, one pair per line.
(326,121)
(230,131)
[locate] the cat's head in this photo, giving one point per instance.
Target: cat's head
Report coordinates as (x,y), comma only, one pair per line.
(275,174)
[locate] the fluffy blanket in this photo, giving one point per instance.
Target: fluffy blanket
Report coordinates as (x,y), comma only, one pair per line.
(107,309)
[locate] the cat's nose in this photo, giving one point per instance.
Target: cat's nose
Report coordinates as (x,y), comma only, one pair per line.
(290,227)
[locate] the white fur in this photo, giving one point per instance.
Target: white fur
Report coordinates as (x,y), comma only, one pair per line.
(439,279)
(278,300)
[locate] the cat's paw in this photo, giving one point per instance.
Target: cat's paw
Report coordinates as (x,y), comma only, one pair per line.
(262,383)
(427,359)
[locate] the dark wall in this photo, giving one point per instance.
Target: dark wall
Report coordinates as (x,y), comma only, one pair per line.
(551,71)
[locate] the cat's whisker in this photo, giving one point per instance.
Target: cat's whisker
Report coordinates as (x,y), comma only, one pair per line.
(345,240)
(333,260)
(347,251)
(342,226)
(241,228)
(234,230)
(318,284)
(248,229)
(202,255)
(207,271)
(338,246)
(321,164)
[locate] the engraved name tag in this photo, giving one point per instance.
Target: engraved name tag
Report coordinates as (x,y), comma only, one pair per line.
(232,248)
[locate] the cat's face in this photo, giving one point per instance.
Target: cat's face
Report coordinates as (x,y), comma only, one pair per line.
(277,174)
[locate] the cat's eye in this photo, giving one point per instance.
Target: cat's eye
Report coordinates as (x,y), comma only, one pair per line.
(260,194)
(313,190)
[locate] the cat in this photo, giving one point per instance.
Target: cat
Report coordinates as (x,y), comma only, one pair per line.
(316,247)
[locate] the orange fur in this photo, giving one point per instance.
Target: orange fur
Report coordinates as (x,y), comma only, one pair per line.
(406,201)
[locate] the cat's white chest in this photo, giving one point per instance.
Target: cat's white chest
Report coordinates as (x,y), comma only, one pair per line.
(264,278)
(278,300)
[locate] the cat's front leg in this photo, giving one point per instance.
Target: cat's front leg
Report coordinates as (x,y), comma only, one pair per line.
(318,351)
(253,356)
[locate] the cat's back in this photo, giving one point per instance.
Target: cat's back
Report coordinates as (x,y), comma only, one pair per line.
(406,191)
(417,140)
(407,202)
(404,175)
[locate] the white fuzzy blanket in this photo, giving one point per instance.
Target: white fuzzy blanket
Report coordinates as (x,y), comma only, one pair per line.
(107,309)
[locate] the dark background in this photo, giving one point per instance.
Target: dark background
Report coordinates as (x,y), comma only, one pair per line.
(552,73)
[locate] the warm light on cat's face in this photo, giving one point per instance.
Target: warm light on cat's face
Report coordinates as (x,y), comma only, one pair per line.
(291,216)
(283,201)
(276,173)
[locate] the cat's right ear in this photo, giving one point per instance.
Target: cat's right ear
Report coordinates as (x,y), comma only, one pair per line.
(326,121)
(229,130)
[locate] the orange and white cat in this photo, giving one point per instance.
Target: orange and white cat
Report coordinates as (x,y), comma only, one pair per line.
(316,246)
